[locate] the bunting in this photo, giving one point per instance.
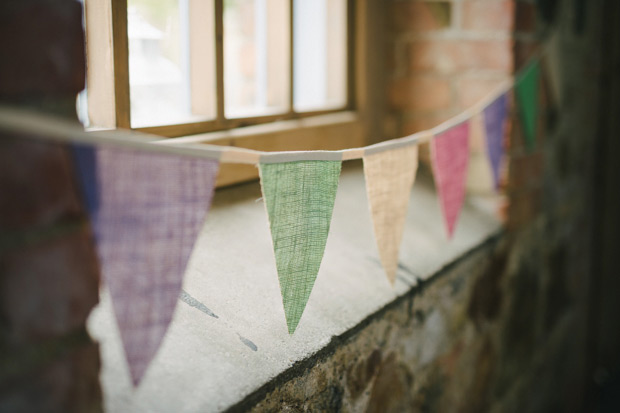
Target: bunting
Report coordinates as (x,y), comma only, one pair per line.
(495,117)
(450,158)
(146,211)
(147,201)
(527,95)
(389,178)
(299,197)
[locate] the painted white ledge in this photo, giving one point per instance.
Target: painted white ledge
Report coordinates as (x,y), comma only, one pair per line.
(209,364)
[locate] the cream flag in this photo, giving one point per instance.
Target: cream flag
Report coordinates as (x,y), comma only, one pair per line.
(389,178)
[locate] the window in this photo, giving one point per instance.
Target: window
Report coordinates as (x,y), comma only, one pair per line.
(204,65)
(176,68)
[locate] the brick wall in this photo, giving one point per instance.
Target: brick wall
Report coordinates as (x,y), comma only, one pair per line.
(48,270)
(445,56)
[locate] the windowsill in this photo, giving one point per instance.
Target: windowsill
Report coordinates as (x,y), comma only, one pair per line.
(209,364)
(284,126)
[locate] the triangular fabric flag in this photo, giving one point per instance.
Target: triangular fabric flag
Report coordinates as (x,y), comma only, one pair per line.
(146,211)
(299,197)
(527,96)
(495,117)
(450,157)
(389,178)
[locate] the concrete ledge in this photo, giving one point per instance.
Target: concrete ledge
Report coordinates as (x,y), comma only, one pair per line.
(228,343)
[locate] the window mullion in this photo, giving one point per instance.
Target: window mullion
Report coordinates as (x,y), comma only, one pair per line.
(351,55)
(219,61)
(291,89)
(121,63)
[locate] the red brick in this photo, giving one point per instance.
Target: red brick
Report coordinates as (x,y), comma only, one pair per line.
(488,15)
(453,56)
(49,288)
(42,49)
(470,90)
(525,17)
(526,171)
(420,93)
(523,51)
(38,178)
(419,16)
(524,207)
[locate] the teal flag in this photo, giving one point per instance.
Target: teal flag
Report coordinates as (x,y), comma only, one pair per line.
(300,199)
(527,96)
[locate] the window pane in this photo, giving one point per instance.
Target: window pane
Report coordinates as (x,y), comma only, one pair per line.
(171,61)
(256,57)
(320,58)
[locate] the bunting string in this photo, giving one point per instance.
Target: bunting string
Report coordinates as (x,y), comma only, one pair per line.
(63,130)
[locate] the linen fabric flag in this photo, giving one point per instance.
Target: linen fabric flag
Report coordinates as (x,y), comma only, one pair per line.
(146,211)
(450,158)
(495,116)
(389,178)
(527,96)
(299,197)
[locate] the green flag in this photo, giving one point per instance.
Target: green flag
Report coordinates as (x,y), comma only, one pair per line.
(527,96)
(300,198)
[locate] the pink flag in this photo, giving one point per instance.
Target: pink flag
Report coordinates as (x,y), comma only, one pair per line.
(146,211)
(450,155)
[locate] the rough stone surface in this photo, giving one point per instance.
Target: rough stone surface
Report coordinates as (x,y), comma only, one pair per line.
(436,356)
(432,352)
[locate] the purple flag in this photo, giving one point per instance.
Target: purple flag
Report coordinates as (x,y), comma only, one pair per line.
(146,211)
(495,127)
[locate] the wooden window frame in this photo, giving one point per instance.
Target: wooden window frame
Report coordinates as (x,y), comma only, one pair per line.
(333,129)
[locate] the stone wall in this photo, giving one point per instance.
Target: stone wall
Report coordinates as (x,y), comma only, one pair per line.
(48,270)
(487,334)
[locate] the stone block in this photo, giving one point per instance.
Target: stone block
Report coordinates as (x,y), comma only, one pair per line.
(37,178)
(42,48)
(69,383)
(525,17)
(48,288)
